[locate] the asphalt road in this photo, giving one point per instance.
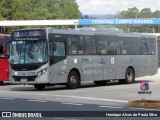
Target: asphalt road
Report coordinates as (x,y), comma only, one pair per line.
(38,106)
(89,97)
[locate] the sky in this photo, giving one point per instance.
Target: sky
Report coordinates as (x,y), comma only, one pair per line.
(112,6)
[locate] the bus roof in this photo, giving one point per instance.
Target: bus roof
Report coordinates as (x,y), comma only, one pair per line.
(92,31)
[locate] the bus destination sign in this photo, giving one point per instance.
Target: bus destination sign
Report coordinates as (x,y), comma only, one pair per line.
(31,33)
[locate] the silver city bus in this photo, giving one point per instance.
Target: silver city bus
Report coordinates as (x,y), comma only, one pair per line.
(48,56)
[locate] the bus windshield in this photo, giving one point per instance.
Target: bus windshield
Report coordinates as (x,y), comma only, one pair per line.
(28,52)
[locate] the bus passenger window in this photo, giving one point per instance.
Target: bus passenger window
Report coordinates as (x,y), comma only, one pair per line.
(145,46)
(102,45)
(74,45)
(152,49)
(58,49)
(80,46)
(55,50)
(135,46)
(89,45)
(113,47)
(124,42)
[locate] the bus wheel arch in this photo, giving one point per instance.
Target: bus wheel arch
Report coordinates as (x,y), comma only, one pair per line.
(129,76)
(74,79)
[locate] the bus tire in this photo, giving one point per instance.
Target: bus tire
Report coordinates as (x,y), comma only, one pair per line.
(73,80)
(39,86)
(129,77)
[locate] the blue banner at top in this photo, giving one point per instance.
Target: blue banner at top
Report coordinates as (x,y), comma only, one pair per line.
(143,21)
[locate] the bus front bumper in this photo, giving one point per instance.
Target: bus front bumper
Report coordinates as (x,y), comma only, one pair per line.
(43,79)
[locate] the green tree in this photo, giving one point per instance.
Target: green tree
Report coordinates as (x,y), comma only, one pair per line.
(39,9)
(130,13)
(156,14)
(5,9)
(135,13)
(145,13)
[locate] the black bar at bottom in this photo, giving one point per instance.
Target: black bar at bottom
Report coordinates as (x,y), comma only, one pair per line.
(79,113)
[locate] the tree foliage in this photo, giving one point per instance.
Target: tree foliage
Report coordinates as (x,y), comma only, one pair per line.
(38,9)
(136,13)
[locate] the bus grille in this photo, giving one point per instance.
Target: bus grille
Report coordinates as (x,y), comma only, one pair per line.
(26,67)
(29,78)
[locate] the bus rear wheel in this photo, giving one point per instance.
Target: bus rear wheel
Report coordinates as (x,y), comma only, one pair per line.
(39,86)
(73,80)
(129,77)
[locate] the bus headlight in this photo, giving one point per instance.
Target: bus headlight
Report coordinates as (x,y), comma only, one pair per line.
(42,72)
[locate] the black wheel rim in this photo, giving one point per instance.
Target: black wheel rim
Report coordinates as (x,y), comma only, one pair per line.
(129,76)
(73,80)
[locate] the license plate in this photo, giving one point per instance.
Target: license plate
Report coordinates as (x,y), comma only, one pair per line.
(23,80)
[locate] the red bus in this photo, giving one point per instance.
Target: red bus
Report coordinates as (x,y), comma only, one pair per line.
(4,62)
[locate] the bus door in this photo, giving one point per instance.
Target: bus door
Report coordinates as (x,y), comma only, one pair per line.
(57,54)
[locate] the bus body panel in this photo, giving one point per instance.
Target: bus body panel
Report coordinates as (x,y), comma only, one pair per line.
(58,72)
(98,67)
(109,70)
(122,63)
(4,69)
(84,64)
(153,68)
(4,62)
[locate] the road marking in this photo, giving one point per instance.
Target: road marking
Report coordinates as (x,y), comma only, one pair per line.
(110,107)
(71,103)
(66,96)
(36,101)
(7,98)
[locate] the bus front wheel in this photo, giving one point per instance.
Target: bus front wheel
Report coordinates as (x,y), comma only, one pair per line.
(129,77)
(73,80)
(39,86)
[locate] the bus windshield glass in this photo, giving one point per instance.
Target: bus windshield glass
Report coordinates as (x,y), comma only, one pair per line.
(28,52)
